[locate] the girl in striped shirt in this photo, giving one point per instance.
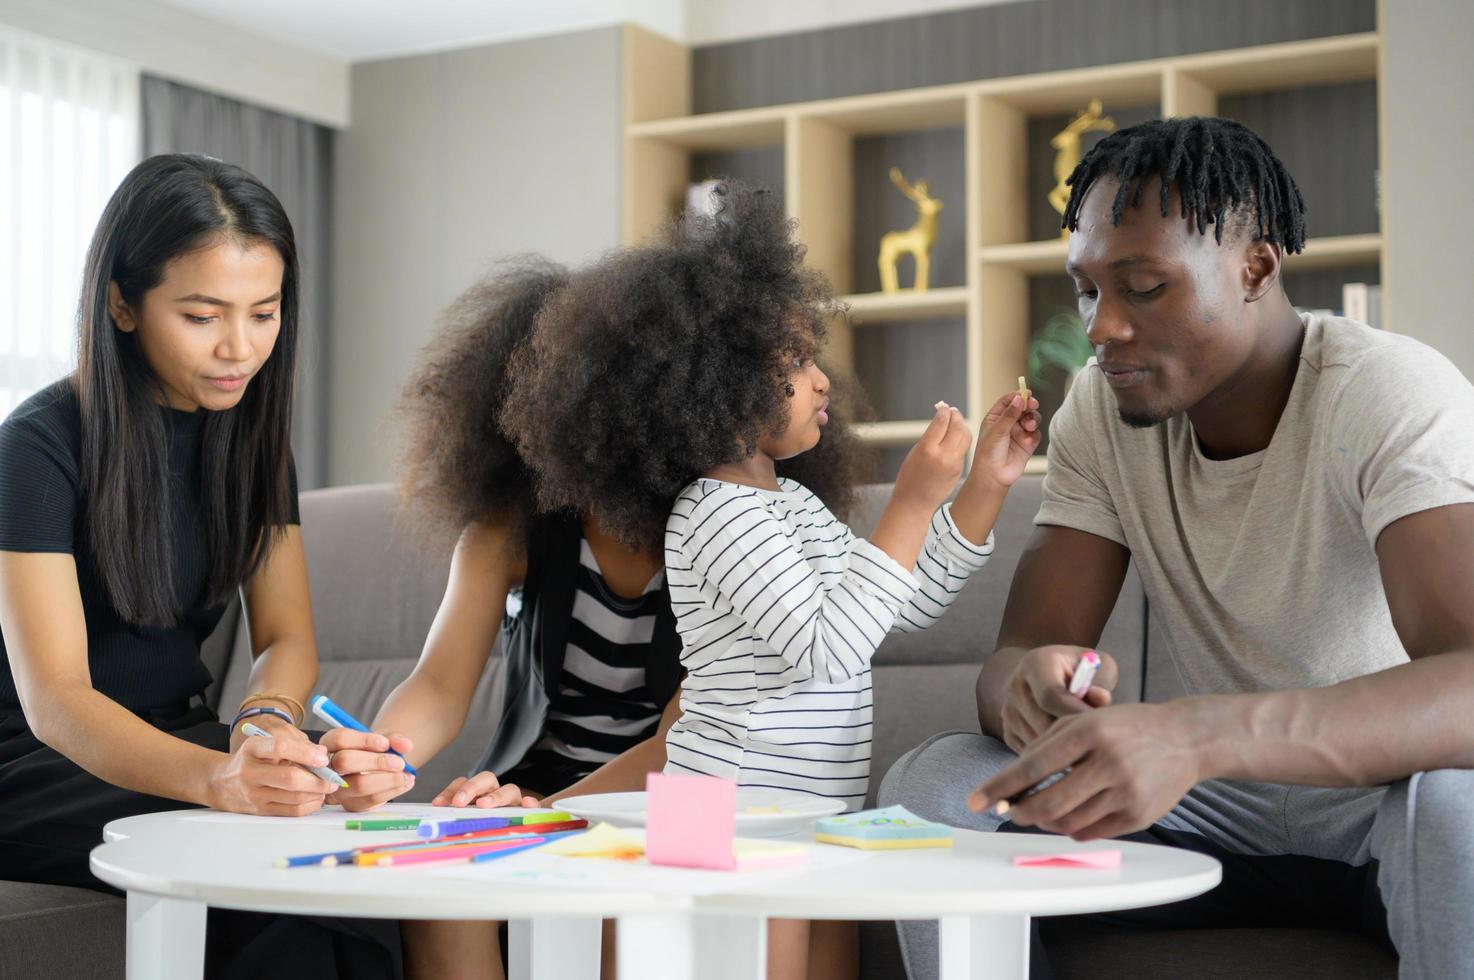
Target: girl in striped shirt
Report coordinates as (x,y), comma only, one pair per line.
(701,350)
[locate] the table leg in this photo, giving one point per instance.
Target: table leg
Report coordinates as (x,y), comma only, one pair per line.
(689,946)
(733,947)
(166,938)
(553,949)
(985,947)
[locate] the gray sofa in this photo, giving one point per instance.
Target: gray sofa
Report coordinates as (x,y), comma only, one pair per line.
(375,594)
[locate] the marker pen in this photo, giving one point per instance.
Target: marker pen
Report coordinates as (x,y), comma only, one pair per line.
(1084,673)
(321,772)
(338,718)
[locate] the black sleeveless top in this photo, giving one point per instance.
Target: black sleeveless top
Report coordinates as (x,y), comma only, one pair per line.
(41,510)
(534,646)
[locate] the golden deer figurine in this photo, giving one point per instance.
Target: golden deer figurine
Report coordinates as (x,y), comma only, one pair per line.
(1067,142)
(917,240)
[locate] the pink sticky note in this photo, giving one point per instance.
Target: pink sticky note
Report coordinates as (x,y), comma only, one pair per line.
(690,821)
(1103,860)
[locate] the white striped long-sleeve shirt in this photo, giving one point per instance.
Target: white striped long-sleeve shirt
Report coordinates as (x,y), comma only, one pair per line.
(780,609)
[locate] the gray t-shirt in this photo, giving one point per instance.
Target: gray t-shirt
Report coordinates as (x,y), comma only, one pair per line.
(1261,570)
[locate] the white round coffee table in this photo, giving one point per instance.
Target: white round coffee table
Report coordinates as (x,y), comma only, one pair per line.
(981,900)
(174,865)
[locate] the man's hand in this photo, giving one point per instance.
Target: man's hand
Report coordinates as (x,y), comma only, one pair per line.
(1128,765)
(1038,692)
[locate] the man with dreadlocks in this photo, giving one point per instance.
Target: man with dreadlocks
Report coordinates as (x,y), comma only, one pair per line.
(1297,493)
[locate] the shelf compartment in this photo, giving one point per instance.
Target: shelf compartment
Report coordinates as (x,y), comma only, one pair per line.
(1038,258)
(1063,92)
(1336,250)
(950,301)
(1034,258)
(893,112)
(1295,64)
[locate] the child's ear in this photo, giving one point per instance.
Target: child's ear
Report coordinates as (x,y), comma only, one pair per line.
(119,309)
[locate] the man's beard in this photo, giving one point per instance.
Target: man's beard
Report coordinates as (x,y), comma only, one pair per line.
(1141,419)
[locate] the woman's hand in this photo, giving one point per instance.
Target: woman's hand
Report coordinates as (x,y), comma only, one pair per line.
(271,725)
(482,790)
(1007,439)
(265,776)
(373,773)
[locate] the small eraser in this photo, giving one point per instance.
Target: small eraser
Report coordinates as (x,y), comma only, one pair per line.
(939,406)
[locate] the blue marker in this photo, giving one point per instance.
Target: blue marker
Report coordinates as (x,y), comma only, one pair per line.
(321,772)
(338,718)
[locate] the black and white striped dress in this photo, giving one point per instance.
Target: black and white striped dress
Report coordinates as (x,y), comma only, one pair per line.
(601,707)
(780,608)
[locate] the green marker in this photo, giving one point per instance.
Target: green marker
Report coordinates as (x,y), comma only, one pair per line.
(402,823)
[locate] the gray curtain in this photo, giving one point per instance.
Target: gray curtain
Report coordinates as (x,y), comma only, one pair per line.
(293,157)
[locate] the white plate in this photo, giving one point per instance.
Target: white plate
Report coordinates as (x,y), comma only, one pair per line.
(760,812)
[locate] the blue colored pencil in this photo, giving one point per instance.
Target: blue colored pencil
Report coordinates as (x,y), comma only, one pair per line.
(334,858)
(493,855)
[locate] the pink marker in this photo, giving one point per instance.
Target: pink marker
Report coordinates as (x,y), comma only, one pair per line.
(1084,673)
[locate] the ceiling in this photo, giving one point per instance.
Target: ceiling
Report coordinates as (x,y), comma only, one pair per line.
(366,30)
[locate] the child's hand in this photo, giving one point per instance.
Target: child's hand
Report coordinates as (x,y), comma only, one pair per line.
(932,467)
(482,790)
(374,775)
(1008,437)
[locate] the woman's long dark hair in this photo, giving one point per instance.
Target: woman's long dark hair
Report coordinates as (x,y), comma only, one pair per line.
(166,207)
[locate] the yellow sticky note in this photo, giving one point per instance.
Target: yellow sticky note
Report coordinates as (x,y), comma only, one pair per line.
(600,841)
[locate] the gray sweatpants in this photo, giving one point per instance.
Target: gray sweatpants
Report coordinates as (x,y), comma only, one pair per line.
(1415,838)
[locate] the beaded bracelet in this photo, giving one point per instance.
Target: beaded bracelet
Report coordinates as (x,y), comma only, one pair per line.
(261,710)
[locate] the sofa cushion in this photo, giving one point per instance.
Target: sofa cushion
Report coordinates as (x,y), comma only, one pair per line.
(1091,952)
(50,931)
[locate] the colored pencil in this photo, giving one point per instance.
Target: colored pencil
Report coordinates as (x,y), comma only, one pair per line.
(333,858)
(401,823)
(453,850)
(455,828)
(461,852)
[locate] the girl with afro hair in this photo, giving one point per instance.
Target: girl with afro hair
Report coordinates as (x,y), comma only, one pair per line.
(588,637)
(672,391)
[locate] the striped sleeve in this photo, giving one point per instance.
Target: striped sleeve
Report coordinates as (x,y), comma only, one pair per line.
(756,564)
(946,561)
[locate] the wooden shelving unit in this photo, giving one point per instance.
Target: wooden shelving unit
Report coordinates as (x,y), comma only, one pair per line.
(817,140)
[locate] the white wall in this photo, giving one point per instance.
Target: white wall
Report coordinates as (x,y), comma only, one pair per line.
(1426,191)
(452,161)
(182,46)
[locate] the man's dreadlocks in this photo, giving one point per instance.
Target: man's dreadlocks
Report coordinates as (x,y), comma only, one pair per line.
(1221,169)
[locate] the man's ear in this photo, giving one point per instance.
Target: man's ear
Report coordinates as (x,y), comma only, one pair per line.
(119,309)
(1262,264)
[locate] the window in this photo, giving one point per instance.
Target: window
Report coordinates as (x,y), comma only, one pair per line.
(68,134)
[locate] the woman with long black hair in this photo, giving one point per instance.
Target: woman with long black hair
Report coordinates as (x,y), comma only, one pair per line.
(137,496)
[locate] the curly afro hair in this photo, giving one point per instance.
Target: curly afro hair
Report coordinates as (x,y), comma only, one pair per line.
(455,464)
(663,361)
